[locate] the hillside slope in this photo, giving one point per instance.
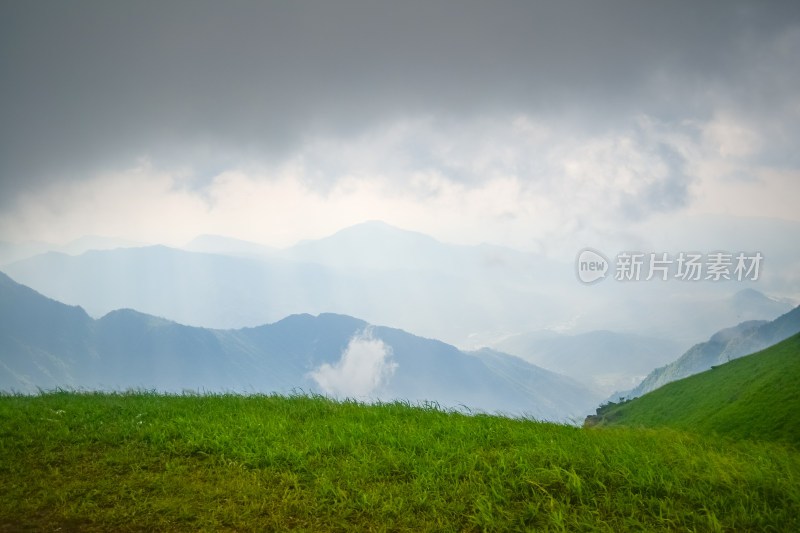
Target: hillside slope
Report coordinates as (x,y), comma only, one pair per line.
(725,345)
(147,462)
(753,397)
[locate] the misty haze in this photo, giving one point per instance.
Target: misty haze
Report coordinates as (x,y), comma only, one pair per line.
(575,217)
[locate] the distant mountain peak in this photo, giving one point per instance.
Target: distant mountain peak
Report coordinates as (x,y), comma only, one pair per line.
(329,318)
(376,244)
(378,228)
(749,295)
(97,242)
(375,223)
(132,314)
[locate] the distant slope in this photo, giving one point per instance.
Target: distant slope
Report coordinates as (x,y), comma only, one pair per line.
(603,360)
(46,344)
(725,345)
(12,252)
(754,397)
(63,339)
(532,380)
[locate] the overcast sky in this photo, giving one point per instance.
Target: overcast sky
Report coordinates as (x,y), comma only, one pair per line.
(517,123)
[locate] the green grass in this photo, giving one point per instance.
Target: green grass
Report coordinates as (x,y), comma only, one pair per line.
(753,397)
(141,461)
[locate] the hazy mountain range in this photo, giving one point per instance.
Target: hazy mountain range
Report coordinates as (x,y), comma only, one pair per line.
(469,296)
(609,361)
(10,252)
(605,361)
(46,344)
(235,289)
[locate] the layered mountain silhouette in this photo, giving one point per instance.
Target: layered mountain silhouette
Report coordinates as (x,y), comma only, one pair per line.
(468,296)
(46,344)
(724,346)
(230,291)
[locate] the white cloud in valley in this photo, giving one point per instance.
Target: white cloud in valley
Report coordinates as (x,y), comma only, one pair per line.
(365,366)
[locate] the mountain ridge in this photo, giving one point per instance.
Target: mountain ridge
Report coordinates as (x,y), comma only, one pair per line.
(725,345)
(129,349)
(226,292)
(467,295)
(753,396)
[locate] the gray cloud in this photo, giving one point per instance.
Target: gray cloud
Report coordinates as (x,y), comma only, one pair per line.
(669,192)
(91,86)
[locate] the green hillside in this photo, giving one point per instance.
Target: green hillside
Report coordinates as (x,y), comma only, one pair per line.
(753,397)
(144,462)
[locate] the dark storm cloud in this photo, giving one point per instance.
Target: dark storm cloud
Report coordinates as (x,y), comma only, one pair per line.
(91,86)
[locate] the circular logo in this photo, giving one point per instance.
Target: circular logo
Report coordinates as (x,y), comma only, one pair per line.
(591,266)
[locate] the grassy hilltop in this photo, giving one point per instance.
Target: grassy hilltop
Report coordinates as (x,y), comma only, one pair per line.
(139,461)
(753,397)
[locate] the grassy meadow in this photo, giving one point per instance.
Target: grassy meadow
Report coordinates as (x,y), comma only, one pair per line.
(142,461)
